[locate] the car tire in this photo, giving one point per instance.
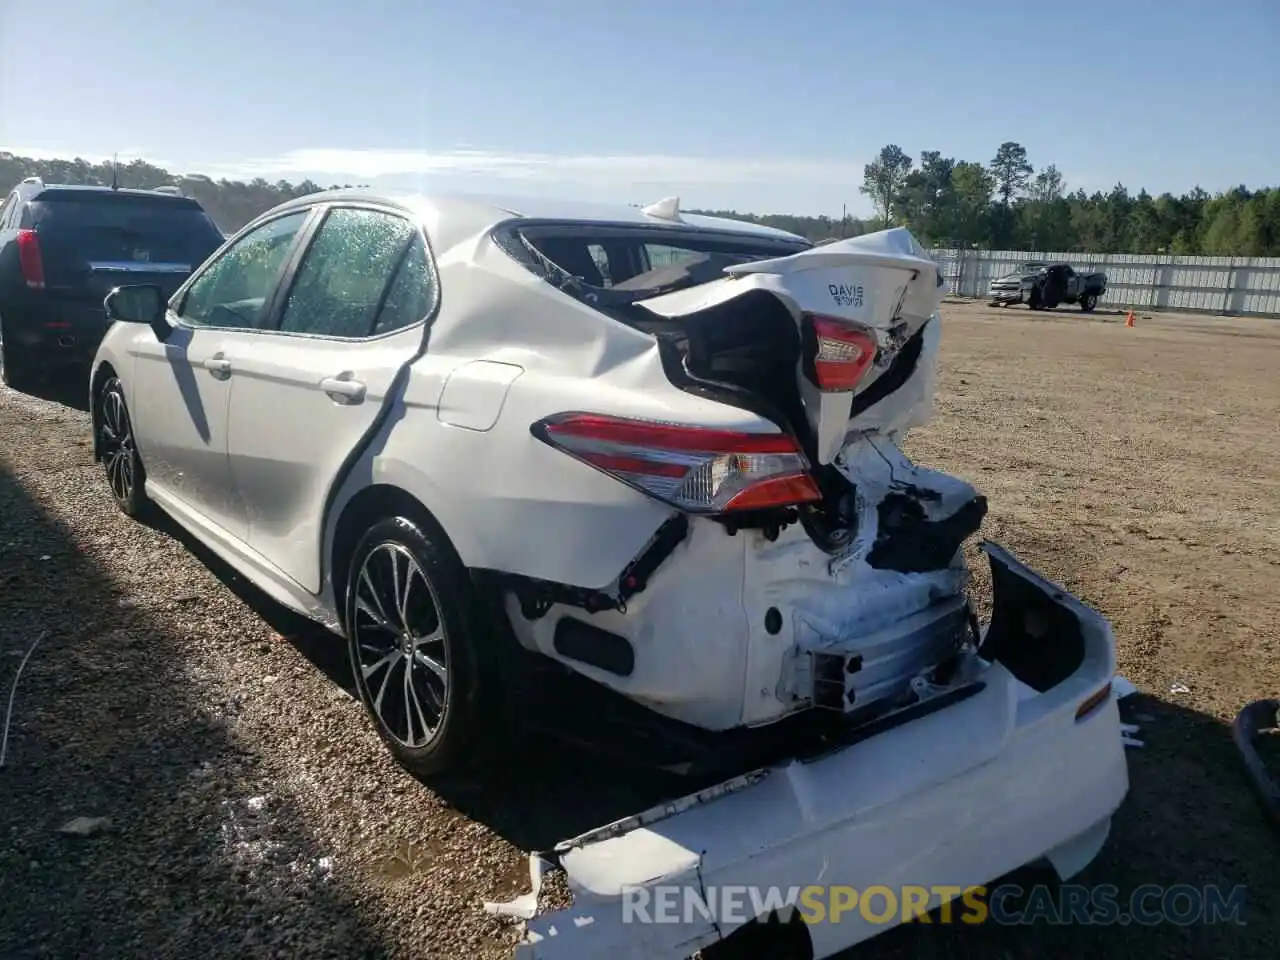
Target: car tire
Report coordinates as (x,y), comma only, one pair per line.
(126,477)
(1033,300)
(14,365)
(1088,302)
(416,646)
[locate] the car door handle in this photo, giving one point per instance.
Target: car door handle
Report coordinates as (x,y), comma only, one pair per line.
(219,366)
(342,389)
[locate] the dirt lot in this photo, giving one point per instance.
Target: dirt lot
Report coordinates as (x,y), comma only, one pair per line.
(253,813)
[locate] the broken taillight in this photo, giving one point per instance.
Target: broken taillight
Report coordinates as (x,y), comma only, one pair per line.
(839,354)
(29,260)
(695,469)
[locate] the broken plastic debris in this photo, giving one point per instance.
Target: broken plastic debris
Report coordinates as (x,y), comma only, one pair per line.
(1128,735)
(1179,688)
(1122,687)
(84,826)
(1249,725)
(525,906)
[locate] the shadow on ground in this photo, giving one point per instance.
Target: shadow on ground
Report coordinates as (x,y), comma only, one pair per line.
(70,391)
(103,727)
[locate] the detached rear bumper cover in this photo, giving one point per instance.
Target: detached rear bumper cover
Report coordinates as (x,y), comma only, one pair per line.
(958,797)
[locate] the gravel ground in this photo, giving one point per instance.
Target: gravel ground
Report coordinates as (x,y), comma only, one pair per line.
(252,812)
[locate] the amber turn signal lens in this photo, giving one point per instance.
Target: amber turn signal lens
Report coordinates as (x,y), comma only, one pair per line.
(1094,701)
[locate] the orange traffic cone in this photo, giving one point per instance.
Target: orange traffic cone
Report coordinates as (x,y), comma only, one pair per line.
(1128,321)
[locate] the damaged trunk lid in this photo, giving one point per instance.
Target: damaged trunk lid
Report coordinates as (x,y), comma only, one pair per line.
(859,307)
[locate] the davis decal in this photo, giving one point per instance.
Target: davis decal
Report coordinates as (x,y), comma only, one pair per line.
(846,294)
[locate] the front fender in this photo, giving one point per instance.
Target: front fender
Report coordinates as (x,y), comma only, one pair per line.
(96,441)
(115,354)
(97,376)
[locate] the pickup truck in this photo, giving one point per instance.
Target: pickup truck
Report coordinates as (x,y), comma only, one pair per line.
(1042,286)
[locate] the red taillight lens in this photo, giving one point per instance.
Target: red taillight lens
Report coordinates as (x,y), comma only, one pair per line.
(695,469)
(29,259)
(842,353)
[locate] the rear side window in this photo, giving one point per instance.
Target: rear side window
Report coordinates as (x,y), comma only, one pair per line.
(114,228)
(666,255)
(412,293)
(339,286)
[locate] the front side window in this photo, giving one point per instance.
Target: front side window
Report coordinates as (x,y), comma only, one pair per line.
(235,290)
(665,255)
(601,258)
(340,284)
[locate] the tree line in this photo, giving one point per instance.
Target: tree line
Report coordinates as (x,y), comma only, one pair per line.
(1004,204)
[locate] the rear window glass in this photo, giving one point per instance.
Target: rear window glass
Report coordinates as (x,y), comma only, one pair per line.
(135,229)
(635,263)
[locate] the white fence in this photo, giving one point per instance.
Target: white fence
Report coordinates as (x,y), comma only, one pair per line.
(1222,285)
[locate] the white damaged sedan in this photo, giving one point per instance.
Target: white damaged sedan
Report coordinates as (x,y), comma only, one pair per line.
(655,450)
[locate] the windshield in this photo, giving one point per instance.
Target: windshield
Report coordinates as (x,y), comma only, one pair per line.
(622,264)
(1031,266)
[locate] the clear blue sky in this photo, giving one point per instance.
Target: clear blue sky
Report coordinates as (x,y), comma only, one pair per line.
(759,105)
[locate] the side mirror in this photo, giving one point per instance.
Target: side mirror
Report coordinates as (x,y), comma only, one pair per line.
(139,303)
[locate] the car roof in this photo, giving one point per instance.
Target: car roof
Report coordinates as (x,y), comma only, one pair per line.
(37,191)
(451,218)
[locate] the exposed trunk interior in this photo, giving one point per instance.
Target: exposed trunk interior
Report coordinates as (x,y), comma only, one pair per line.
(746,352)
(747,349)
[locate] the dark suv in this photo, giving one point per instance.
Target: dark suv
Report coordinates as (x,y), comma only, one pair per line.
(63,249)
